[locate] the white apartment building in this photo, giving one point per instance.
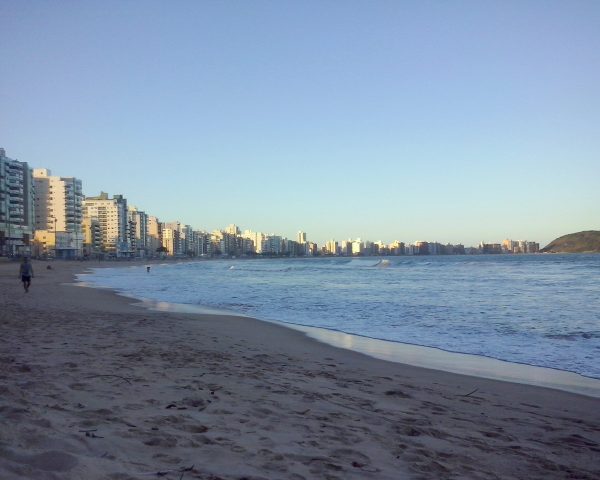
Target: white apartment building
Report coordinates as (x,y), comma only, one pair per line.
(154,239)
(186,233)
(112,218)
(170,239)
(258,240)
(357,247)
(177,238)
(397,247)
(226,243)
(331,247)
(303,244)
(138,232)
(58,214)
(274,244)
(16,206)
(346,247)
(203,243)
(232,229)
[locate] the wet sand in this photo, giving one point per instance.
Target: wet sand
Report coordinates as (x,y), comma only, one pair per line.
(94,387)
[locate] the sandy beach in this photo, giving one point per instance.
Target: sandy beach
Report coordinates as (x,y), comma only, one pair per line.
(94,387)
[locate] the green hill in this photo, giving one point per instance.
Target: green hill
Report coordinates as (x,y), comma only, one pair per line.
(581,242)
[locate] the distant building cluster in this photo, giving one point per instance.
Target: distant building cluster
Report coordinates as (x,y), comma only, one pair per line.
(366,248)
(520,246)
(48,216)
(359,247)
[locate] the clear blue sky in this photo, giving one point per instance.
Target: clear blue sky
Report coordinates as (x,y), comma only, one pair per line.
(445,121)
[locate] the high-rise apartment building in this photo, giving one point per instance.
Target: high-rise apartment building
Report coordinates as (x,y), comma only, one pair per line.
(357,247)
(177,238)
(58,214)
(303,248)
(331,247)
(138,232)
(111,215)
(16,206)
(346,248)
(92,237)
(258,241)
(154,239)
(203,243)
(186,233)
(397,248)
(225,243)
(170,239)
(232,229)
(274,245)
(58,202)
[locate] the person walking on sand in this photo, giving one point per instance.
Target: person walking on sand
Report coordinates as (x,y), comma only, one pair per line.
(26,273)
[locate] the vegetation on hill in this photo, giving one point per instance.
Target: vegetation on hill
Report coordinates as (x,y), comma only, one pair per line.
(581,242)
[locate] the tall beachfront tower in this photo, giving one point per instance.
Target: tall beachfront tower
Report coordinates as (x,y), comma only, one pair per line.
(58,214)
(16,206)
(138,231)
(303,244)
(111,216)
(257,239)
(178,238)
(332,247)
(154,235)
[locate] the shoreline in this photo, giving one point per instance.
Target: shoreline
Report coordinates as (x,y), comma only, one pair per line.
(92,386)
(405,353)
(457,362)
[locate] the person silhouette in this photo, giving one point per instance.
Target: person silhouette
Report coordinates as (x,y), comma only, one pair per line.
(26,273)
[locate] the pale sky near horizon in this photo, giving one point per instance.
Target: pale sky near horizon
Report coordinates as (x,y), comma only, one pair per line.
(460,121)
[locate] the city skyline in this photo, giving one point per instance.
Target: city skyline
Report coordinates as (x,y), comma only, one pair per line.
(46,201)
(46,215)
(456,123)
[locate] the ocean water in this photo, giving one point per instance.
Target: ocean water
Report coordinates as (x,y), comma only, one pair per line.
(541,310)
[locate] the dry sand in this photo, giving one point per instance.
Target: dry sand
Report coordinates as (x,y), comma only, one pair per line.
(92,387)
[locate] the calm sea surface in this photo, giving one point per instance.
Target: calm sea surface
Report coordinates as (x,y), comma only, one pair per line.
(540,310)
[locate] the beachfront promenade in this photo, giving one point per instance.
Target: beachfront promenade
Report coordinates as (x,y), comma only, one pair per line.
(94,387)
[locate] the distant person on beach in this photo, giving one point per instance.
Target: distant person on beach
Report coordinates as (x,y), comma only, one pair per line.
(26,273)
